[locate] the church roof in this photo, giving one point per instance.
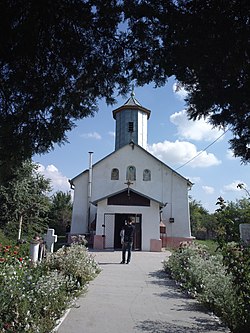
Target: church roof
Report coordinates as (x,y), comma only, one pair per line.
(131,103)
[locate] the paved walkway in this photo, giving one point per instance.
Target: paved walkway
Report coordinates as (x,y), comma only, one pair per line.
(136,298)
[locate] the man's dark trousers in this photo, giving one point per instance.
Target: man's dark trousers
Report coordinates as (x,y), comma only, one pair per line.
(126,246)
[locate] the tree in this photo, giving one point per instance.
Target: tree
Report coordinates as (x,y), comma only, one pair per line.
(60,212)
(25,203)
(229,216)
(205,45)
(242,186)
(57,58)
(203,224)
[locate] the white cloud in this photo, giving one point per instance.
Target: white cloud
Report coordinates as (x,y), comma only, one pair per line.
(208,189)
(92,135)
(194,180)
(230,155)
(111,133)
(58,181)
(233,186)
(180,152)
(179,91)
(194,130)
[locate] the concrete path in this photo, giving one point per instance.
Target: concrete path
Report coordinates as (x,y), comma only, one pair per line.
(136,298)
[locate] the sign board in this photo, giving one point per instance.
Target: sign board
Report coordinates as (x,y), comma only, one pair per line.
(245,233)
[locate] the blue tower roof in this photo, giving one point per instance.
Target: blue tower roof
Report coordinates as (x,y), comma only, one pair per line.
(131,103)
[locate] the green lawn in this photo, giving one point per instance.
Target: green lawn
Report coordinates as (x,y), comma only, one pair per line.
(210,244)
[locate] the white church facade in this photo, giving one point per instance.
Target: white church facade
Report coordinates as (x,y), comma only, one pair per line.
(131,182)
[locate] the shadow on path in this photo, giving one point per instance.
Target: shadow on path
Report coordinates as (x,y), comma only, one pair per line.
(187,304)
(163,327)
(108,263)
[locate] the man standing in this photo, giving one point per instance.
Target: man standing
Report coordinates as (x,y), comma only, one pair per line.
(128,241)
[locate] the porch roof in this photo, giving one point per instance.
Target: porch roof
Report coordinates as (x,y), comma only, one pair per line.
(95,202)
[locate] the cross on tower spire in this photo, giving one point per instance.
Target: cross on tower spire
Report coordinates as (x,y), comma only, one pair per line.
(133,91)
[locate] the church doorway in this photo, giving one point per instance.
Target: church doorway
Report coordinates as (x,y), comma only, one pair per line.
(119,223)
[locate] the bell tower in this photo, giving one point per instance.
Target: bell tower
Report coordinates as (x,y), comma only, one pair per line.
(131,123)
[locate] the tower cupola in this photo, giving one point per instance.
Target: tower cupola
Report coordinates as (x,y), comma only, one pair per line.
(131,123)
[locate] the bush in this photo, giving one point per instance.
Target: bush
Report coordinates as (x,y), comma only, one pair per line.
(32,299)
(237,262)
(207,277)
(74,262)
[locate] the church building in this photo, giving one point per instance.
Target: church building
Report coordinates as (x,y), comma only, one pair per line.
(131,182)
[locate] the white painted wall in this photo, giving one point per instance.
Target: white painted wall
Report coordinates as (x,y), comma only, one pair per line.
(150,225)
(142,129)
(150,220)
(165,186)
(79,223)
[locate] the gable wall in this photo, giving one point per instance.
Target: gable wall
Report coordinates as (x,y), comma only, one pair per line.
(165,186)
(121,159)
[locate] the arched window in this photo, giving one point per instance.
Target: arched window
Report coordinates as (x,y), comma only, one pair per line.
(115,174)
(146,175)
(131,173)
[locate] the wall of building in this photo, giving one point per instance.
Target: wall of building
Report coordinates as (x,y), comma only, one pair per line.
(177,207)
(165,186)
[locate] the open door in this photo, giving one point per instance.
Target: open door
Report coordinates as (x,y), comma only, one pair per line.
(119,223)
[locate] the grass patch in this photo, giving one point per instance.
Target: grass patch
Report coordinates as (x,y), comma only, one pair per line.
(211,245)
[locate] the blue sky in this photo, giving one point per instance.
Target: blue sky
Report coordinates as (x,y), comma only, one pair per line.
(171,137)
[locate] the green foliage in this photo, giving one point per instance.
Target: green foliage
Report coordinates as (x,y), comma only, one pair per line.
(71,260)
(57,58)
(211,245)
(203,224)
(60,212)
(3,239)
(13,253)
(216,280)
(229,216)
(223,225)
(24,197)
(32,299)
(237,262)
(197,41)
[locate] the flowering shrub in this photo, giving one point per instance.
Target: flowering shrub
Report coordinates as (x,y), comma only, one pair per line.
(32,299)
(31,302)
(210,279)
(9,254)
(236,259)
(75,262)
